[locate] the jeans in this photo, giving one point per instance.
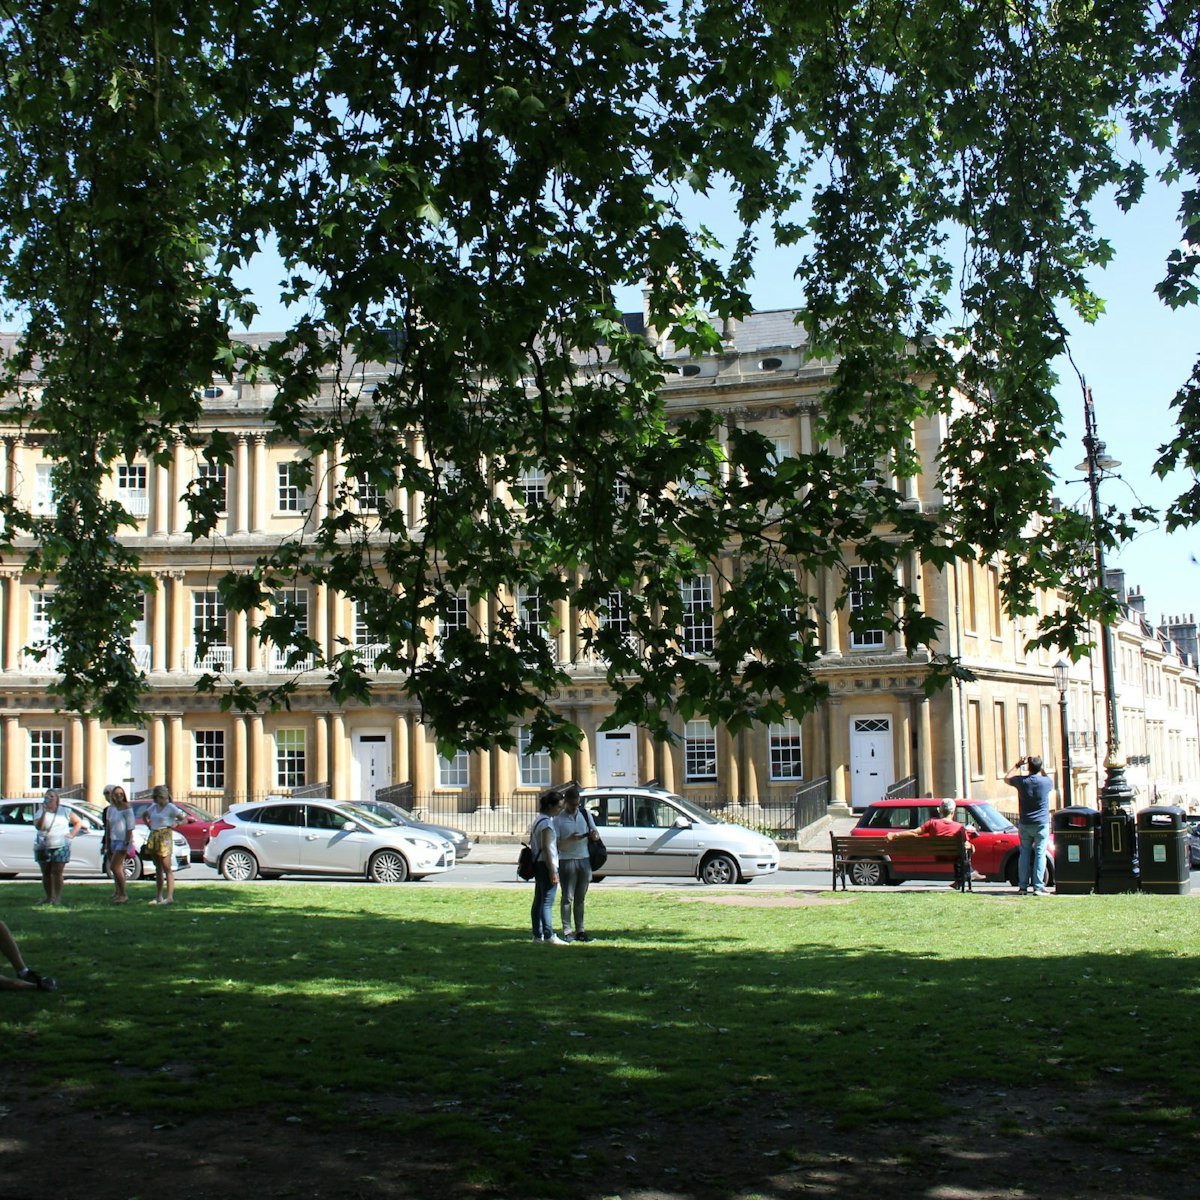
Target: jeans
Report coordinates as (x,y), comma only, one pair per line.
(542,910)
(1033,845)
(575,874)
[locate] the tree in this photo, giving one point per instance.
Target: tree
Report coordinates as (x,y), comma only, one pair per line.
(456,190)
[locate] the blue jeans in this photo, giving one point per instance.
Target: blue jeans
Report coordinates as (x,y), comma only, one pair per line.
(1033,845)
(542,910)
(575,874)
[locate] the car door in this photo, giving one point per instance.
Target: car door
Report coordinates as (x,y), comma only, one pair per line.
(663,840)
(16,838)
(85,846)
(610,812)
(327,847)
(273,833)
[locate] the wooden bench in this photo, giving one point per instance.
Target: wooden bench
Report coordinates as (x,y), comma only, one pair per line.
(872,856)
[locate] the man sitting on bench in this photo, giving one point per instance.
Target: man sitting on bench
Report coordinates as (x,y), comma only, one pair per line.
(943,825)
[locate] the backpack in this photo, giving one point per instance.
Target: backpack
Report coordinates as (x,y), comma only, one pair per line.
(597,850)
(527,859)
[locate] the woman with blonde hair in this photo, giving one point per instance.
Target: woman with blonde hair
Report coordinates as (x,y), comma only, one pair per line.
(119,823)
(55,828)
(162,816)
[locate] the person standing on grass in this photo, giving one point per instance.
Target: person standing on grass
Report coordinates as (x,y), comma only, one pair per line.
(1033,822)
(574,829)
(544,843)
(55,828)
(27,978)
(119,823)
(162,816)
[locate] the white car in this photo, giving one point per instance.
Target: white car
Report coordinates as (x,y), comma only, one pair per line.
(17,836)
(649,831)
(320,837)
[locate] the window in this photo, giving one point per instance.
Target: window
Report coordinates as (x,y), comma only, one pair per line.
(970,607)
(45,759)
(698,629)
(530,488)
(294,606)
(1047,755)
(289,493)
(533,767)
(45,503)
(997,609)
(40,634)
(695,485)
(615,615)
(781,448)
(454,772)
(132,491)
(975,738)
(1000,720)
(210,759)
(862,604)
(532,616)
(290,771)
(213,480)
(210,631)
(699,752)
(370,498)
(786,750)
(456,615)
(1022,731)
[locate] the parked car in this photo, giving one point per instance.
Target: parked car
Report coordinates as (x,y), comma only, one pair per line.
(1193,842)
(17,834)
(995,839)
(320,837)
(650,831)
(401,816)
(194,830)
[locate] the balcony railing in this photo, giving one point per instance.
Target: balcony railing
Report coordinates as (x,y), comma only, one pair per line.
(368,654)
(280,662)
(47,664)
(215,658)
(135,502)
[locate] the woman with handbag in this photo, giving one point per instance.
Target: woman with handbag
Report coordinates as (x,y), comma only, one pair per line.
(544,843)
(119,823)
(575,830)
(55,828)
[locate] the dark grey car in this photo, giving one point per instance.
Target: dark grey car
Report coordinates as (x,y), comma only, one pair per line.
(401,816)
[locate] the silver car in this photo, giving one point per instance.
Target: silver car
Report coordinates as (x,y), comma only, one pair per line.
(649,831)
(320,837)
(17,835)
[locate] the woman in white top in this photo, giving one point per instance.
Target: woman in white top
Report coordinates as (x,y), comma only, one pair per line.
(54,827)
(119,823)
(162,816)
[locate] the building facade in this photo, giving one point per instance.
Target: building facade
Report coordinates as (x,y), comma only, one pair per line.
(877,731)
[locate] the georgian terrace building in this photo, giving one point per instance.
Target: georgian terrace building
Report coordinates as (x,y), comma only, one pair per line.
(878,730)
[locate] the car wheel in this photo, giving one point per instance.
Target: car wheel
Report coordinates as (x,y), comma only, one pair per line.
(238,865)
(718,868)
(388,866)
(870,872)
(132,868)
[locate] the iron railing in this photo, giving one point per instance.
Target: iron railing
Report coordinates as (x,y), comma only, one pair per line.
(902,789)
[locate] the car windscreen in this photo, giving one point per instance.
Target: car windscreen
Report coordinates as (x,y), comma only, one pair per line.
(374,820)
(695,811)
(989,818)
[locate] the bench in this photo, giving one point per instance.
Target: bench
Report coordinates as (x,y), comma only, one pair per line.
(865,860)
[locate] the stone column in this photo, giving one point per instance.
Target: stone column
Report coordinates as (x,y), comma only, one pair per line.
(241,485)
(238,625)
(753,744)
(158,750)
(418,759)
(321,738)
(924,770)
(75,757)
(160,504)
(176,776)
(339,759)
(320,625)
(646,768)
(402,769)
(261,777)
(14,637)
(14,760)
(94,756)
(839,752)
(179,482)
(237,780)
(158,623)
(258,483)
(729,775)
(586,766)
(831,618)
(179,647)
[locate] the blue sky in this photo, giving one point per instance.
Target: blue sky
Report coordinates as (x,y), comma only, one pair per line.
(1134,357)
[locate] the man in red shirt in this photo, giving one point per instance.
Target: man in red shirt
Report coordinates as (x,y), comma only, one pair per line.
(943,825)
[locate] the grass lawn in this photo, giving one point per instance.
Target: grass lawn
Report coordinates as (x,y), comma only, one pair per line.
(427,1015)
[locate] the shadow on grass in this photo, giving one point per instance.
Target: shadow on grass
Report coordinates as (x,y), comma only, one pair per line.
(692,1053)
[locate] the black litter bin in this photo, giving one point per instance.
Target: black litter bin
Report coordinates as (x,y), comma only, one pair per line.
(1163,853)
(1076,850)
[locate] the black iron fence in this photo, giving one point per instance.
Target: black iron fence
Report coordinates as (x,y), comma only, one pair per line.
(902,789)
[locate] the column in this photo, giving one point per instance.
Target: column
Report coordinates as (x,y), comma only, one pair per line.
(160,505)
(337,475)
(6,470)
(258,482)
(320,487)
(179,482)
(646,769)
(13,617)
(75,761)
(904,735)
(400,742)
(320,627)
(752,743)
(158,627)
(728,769)
(339,759)
(421,779)
(586,767)
(839,750)
(831,624)
(241,485)
(14,761)
(237,779)
(176,778)
(320,759)
(260,759)
(158,750)
(480,779)
(238,624)
(94,760)
(900,574)
(179,648)
(924,748)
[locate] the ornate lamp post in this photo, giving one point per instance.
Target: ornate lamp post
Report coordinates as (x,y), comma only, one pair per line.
(1118,859)
(1062,675)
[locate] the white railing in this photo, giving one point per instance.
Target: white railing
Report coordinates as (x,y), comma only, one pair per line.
(46,665)
(368,654)
(215,658)
(277,662)
(136,502)
(141,656)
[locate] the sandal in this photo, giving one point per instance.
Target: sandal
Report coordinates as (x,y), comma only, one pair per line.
(44,983)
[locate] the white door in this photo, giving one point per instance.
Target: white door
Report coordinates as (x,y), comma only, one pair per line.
(128,762)
(616,757)
(372,767)
(872,765)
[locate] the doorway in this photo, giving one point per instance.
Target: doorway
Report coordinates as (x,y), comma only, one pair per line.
(371,768)
(872,762)
(616,757)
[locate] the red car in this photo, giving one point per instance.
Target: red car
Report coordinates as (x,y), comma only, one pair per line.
(997,844)
(195,830)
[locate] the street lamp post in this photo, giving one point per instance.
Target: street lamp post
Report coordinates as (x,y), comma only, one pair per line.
(1062,674)
(1118,854)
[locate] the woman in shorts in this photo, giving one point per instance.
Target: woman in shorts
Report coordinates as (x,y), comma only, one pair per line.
(54,827)
(119,823)
(162,816)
